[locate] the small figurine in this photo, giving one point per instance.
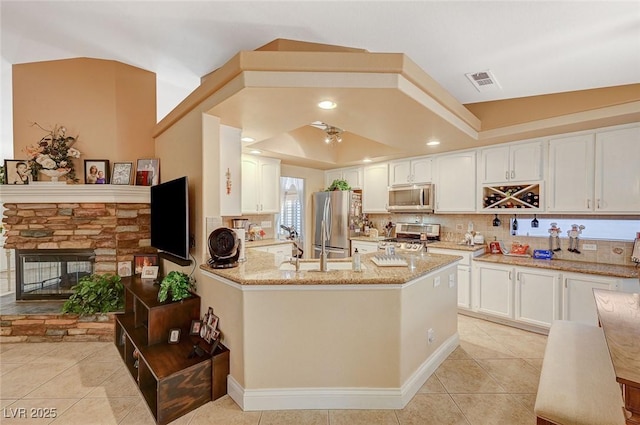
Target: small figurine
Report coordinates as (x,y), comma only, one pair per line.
(554,238)
(573,237)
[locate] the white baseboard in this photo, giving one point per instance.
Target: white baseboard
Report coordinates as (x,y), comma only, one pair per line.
(341,398)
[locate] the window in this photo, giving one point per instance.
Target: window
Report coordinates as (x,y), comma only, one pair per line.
(609,229)
(292,207)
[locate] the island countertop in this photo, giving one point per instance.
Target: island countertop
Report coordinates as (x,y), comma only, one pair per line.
(262,268)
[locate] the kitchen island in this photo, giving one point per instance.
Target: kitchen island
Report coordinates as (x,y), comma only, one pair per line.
(337,339)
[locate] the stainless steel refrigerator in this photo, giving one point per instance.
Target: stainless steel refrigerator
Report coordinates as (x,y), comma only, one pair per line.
(340,210)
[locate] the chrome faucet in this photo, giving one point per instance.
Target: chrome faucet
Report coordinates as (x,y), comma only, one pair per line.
(295,260)
(323,251)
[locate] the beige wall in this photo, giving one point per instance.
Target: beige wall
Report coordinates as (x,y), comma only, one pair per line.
(110,106)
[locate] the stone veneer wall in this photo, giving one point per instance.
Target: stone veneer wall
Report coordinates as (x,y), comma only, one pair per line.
(56,328)
(115,231)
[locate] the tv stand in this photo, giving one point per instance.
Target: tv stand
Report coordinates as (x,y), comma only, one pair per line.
(173,378)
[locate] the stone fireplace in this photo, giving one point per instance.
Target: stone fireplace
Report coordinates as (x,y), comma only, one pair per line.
(108,223)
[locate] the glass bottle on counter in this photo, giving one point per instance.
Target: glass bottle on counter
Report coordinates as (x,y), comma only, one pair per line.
(356,265)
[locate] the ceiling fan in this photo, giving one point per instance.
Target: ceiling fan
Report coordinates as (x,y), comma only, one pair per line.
(334,134)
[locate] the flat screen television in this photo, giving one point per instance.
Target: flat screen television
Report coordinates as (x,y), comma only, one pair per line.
(170,219)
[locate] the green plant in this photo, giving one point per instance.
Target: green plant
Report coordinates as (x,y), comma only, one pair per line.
(178,283)
(339,184)
(96,293)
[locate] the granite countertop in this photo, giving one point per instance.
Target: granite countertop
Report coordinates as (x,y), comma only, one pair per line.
(611,270)
(367,238)
(261,268)
(456,246)
(266,242)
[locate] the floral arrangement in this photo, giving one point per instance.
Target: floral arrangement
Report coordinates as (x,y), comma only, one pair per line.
(54,152)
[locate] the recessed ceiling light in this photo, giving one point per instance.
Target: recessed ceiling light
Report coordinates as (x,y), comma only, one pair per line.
(327,104)
(256,152)
(248,139)
(433,143)
(367,160)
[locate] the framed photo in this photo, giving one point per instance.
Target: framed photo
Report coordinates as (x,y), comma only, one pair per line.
(174,336)
(148,172)
(141,260)
(149,272)
(96,171)
(196,326)
(124,268)
(122,172)
(16,171)
(214,322)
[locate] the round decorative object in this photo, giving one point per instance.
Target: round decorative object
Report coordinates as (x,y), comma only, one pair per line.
(54,174)
(223,243)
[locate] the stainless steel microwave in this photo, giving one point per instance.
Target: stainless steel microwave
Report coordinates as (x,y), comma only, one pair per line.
(411,198)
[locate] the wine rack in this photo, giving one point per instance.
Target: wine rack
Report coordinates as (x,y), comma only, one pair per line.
(509,197)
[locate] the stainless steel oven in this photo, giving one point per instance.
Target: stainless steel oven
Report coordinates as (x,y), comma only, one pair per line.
(411,198)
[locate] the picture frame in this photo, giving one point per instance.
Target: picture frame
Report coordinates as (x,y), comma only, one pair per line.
(16,171)
(149,272)
(196,326)
(209,331)
(141,260)
(148,172)
(124,268)
(174,335)
(96,171)
(121,173)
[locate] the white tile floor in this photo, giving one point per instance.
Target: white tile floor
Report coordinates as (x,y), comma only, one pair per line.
(490,379)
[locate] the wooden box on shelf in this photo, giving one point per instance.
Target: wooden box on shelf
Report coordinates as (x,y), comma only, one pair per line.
(171,381)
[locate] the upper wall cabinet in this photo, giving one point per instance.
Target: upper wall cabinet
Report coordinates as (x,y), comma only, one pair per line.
(519,162)
(260,185)
(374,189)
(353,176)
(595,172)
(455,182)
(418,170)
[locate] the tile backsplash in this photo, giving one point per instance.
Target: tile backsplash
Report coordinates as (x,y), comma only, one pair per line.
(454,226)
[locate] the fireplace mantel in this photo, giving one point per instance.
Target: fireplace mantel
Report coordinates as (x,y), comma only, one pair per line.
(38,193)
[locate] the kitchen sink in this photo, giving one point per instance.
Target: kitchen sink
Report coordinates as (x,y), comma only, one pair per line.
(315,266)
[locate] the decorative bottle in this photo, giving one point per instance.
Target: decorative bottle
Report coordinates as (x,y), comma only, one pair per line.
(355,261)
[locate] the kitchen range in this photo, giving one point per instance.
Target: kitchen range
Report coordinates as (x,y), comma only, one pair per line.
(411,237)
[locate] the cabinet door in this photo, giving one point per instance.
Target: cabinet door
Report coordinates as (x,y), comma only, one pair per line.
(250,178)
(537,297)
(282,250)
(422,170)
(353,176)
(374,189)
(578,303)
(526,162)
(456,182)
(571,174)
(464,287)
(269,194)
(495,291)
(494,165)
(617,182)
(330,176)
(364,247)
(399,172)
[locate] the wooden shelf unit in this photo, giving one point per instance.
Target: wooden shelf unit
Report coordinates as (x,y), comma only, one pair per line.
(171,383)
(506,198)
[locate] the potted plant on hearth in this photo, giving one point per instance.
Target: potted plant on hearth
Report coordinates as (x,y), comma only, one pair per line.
(179,284)
(94,294)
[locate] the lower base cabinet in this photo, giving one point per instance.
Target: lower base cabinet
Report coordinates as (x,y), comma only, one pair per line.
(171,381)
(537,296)
(579,304)
(494,292)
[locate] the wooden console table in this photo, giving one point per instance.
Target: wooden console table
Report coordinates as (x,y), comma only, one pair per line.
(619,315)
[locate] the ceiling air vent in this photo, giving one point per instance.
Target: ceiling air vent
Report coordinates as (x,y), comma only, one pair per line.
(483,81)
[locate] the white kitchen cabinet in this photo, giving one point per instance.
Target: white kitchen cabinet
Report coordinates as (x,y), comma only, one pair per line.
(464,273)
(578,303)
(517,162)
(364,247)
(260,185)
(413,171)
(537,296)
(374,188)
(595,172)
(571,174)
(352,175)
(455,182)
(617,170)
(494,290)
(281,250)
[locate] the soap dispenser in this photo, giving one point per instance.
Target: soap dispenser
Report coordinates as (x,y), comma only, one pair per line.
(356,265)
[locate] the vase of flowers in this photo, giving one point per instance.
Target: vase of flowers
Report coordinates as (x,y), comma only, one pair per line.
(53,155)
